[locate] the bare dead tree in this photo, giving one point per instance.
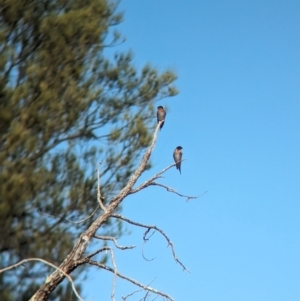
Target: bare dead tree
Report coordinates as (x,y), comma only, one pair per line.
(77,257)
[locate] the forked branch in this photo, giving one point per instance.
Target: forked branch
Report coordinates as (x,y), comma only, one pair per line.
(148,227)
(150,182)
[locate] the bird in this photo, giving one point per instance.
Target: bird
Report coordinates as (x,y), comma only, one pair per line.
(161,116)
(177,155)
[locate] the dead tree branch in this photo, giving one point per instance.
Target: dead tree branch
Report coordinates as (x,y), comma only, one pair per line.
(77,253)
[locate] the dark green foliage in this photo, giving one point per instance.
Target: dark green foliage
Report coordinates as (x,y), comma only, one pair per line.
(64,106)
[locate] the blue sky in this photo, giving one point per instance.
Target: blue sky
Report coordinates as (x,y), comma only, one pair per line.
(237,118)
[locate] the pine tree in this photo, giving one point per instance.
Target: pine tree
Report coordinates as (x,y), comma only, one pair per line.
(65,103)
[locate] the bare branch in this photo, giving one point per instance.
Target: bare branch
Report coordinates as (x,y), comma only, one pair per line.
(155,228)
(174,191)
(48,278)
(151,182)
(68,220)
(98,251)
(115,242)
(148,182)
(145,287)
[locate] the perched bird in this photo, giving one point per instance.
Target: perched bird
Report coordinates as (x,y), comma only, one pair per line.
(161,116)
(177,155)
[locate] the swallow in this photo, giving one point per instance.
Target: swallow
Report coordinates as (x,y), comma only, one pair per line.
(177,155)
(161,116)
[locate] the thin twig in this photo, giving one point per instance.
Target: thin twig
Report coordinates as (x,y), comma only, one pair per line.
(66,219)
(115,274)
(115,242)
(145,240)
(106,248)
(99,197)
(144,298)
(131,294)
(157,229)
(174,191)
(49,278)
(155,298)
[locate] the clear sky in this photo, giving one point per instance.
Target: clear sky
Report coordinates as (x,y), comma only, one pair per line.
(237,119)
